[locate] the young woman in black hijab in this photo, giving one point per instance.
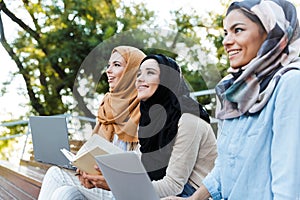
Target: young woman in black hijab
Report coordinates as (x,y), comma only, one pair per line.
(176,140)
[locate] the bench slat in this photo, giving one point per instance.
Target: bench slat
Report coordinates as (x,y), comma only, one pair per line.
(11,191)
(20,181)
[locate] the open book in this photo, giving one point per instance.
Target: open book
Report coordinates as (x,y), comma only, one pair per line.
(85,157)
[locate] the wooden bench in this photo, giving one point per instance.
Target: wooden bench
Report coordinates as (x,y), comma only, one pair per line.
(24,181)
(20,182)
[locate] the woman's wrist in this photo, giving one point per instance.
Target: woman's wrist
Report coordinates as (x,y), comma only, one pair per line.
(201,194)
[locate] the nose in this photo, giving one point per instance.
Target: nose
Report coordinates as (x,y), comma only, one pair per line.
(139,78)
(228,39)
(108,69)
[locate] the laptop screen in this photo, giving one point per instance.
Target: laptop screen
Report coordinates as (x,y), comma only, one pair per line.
(126,176)
(49,135)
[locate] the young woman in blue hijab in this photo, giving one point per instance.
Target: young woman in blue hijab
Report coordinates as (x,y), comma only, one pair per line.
(259,110)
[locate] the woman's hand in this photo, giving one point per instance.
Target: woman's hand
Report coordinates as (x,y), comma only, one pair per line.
(98,180)
(91,181)
(84,182)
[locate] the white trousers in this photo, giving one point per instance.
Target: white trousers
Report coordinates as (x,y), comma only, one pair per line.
(59,184)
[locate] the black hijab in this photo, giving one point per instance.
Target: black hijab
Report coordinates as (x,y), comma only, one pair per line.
(160,115)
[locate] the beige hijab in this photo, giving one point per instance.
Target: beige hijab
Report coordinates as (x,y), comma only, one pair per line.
(119,111)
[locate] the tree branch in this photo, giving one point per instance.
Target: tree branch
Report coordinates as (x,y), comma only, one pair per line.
(2,36)
(18,21)
(34,101)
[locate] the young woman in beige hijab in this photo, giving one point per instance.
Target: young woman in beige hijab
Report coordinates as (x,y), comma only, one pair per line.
(118,114)
(118,118)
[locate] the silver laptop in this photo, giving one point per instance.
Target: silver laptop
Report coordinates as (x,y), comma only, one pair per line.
(49,135)
(126,176)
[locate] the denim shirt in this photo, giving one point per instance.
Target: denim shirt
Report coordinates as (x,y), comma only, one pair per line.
(259,155)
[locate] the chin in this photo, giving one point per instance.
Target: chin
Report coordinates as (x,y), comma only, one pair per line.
(142,98)
(235,66)
(111,86)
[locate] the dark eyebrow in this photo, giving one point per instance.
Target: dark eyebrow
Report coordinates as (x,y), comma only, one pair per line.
(235,25)
(114,62)
(148,68)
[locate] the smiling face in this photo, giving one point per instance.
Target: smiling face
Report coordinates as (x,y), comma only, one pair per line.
(147,79)
(115,68)
(243,38)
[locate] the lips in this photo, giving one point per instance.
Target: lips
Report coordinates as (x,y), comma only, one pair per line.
(233,52)
(110,78)
(142,87)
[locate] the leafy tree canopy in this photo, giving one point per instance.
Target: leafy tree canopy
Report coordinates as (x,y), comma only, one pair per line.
(61,54)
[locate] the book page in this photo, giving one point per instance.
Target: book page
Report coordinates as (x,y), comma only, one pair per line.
(85,157)
(87,161)
(69,155)
(96,140)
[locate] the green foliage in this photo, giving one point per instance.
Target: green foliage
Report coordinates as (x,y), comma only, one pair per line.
(70,41)
(64,32)
(8,131)
(63,54)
